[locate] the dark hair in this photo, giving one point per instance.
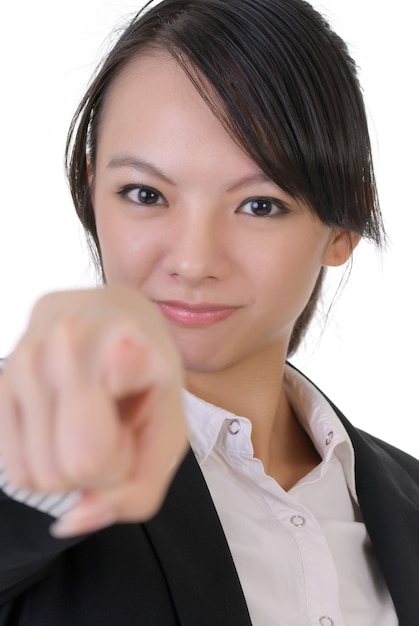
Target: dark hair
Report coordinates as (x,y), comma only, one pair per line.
(285,88)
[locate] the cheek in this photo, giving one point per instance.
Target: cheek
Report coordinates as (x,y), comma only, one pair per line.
(129,254)
(286,278)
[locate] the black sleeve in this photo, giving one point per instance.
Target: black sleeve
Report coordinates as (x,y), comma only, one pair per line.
(26,546)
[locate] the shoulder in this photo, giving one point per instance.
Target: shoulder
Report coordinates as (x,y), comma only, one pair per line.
(367,444)
(372,453)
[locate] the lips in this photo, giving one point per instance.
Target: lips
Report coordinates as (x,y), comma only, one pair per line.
(202,314)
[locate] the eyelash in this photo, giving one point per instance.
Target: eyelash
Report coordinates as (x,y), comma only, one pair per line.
(125,191)
(273,203)
(282,209)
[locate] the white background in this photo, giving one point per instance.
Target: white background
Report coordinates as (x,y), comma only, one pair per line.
(366,357)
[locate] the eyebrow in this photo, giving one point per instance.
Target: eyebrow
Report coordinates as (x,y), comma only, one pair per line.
(250,179)
(142,165)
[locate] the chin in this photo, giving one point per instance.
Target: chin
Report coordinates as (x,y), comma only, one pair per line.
(203,365)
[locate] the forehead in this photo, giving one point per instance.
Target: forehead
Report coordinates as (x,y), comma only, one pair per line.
(154,89)
(152,79)
(153,108)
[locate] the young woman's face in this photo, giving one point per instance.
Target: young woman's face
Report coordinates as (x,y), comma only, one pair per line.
(184,215)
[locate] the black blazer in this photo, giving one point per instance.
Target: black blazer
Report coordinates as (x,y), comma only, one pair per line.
(177,568)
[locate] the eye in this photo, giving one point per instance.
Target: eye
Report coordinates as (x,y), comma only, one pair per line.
(263,207)
(141,194)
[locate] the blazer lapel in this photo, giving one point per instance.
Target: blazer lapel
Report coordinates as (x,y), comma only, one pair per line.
(387,483)
(193,552)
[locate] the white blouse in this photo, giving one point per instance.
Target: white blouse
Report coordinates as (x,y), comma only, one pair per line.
(303,557)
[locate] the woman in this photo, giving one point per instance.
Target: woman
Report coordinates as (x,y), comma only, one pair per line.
(219,162)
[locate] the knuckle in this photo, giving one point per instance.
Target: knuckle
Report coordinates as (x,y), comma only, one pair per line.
(17,477)
(84,469)
(141,511)
(43,473)
(45,482)
(66,332)
(152,498)
(82,472)
(151,506)
(65,346)
(152,502)
(137,501)
(40,305)
(25,360)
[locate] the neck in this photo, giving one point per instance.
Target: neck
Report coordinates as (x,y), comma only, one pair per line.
(255,389)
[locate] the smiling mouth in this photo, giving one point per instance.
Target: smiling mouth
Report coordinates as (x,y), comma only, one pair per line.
(191,315)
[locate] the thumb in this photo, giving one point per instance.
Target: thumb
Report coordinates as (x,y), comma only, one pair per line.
(91,513)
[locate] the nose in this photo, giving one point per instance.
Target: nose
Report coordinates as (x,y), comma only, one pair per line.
(197,250)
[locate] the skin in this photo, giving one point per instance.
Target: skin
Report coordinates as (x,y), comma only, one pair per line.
(91,400)
(200,292)
(200,242)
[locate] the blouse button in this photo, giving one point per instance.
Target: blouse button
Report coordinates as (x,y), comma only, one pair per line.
(298,520)
(234,427)
(328,441)
(326,621)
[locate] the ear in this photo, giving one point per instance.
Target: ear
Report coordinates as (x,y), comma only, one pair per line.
(341,245)
(90,177)
(89,168)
